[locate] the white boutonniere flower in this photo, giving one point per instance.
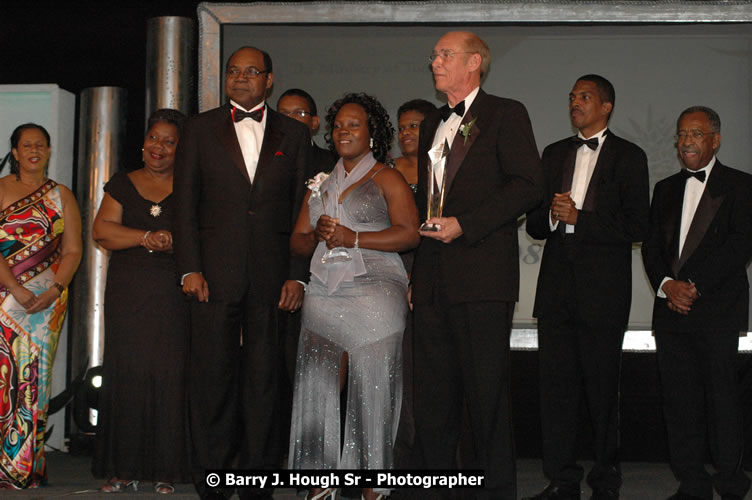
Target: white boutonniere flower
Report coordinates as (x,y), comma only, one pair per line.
(466,128)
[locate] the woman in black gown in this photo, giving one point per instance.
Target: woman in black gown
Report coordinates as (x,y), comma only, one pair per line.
(141,423)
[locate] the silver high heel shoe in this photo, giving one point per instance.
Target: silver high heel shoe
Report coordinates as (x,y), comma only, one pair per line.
(327,494)
(118,486)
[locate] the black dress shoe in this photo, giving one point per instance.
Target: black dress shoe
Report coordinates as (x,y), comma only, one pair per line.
(557,493)
(211,494)
(605,494)
(731,496)
(680,495)
(256,495)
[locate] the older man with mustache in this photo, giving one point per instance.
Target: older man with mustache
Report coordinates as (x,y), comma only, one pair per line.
(700,242)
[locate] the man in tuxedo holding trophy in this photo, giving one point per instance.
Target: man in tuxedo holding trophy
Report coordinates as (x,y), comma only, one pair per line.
(479,166)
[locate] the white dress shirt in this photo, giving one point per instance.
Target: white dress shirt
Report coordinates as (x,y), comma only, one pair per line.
(693,190)
(584,165)
(447,131)
(250,137)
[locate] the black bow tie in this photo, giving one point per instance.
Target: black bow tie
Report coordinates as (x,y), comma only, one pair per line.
(446,111)
(238,114)
(686,174)
(592,143)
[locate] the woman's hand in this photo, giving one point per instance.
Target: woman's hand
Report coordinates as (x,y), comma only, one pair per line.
(341,237)
(158,241)
(44,300)
(325,228)
(23,296)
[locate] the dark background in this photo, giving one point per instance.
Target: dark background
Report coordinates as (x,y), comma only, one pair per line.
(81,44)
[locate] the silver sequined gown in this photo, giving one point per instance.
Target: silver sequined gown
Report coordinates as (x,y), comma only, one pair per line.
(366,319)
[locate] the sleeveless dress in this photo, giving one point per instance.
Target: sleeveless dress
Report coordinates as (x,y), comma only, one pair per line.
(31,231)
(364,317)
(141,428)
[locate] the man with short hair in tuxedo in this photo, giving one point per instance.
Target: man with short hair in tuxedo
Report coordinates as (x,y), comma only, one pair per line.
(299,105)
(240,173)
(700,242)
(596,206)
(465,278)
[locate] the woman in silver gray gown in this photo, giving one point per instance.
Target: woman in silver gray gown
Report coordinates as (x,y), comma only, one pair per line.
(356,302)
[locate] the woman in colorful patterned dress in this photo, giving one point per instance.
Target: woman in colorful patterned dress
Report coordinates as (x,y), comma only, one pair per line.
(141,431)
(40,241)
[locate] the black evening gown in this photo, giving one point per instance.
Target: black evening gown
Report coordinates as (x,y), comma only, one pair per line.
(141,429)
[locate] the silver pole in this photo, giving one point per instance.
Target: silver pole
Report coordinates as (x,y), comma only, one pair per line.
(100,154)
(170,64)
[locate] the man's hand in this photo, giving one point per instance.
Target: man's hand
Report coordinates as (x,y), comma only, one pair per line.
(680,295)
(291,297)
(450,229)
(563,208)
(196,286)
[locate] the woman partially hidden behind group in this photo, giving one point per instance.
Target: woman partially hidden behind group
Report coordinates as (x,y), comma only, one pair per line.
(141,429)
(40,241)
(354,311)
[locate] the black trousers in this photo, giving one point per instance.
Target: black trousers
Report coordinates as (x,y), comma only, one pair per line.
(701,406)
(579,355)
(462,368)
(233,387)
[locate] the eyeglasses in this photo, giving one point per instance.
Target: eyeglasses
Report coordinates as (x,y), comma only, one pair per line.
(691,134)
(446,54)
(249,72)
(300,113)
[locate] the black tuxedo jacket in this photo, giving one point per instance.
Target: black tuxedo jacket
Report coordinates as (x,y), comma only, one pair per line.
(232,231)
(614,214)
(323,160)
(716,251)
(492,179)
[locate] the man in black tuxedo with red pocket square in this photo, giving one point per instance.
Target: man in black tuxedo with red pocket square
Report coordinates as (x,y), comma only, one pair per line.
(596,205)
(700,242)
(240,173)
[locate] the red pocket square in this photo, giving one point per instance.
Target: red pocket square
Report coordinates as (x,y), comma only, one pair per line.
(279,153)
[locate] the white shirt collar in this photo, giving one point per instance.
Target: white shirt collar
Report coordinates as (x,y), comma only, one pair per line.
(707,168)
(259,105)
(469,98)
(599,135)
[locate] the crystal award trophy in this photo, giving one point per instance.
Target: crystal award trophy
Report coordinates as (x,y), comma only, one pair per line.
(436,185)
(336,254)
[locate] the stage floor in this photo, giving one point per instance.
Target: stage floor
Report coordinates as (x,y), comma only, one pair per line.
(70,476)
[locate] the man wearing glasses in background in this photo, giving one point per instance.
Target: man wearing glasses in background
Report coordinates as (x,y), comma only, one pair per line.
(299,105)
(239,182)
(465,278)
(700,242)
